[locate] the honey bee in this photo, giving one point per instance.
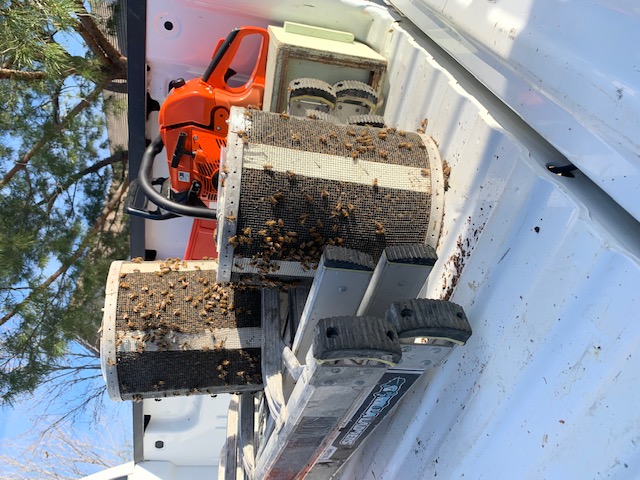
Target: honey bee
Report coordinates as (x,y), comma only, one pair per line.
(176,312)
(291,175)
(382,135)
(270,223)
(354,154)
(137,260)
(188,298)
(262,232)
(246,231)
(125,317)
(125,285)
(225,362)
(402,133)
(407,145)
(324,193)
(383,153)
(351,132)
(268,167)
(379,228)
(225,169)
(122,275)
(284,115)
(424,172)
(308,198)
(133,296)
(348,145)
(233,241)
(280,222)
(322,139)
(303,218)
(295,138)
(333,135)
(231,218)
(375,183)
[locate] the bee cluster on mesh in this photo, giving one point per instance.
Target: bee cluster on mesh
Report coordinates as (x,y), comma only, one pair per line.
(287,216)
(165,303)
(173,315)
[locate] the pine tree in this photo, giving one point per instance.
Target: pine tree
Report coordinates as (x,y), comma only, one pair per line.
(60,203)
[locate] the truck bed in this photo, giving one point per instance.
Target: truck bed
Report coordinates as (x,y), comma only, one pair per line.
(546,265)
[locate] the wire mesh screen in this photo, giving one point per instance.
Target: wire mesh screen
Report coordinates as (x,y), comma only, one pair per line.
(304,184)
(175,331)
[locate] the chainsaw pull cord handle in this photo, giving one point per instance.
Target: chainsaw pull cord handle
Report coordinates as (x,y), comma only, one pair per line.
(146,182)
(180,150)
(215,72)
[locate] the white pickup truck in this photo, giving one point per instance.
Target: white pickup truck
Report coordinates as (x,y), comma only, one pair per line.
(534,107)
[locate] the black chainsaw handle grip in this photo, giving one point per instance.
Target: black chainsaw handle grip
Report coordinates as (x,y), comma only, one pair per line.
(220,53)
(146,183)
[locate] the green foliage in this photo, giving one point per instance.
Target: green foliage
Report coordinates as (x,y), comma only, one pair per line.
(57,237)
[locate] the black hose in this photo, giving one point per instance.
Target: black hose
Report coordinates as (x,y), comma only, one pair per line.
(154,148)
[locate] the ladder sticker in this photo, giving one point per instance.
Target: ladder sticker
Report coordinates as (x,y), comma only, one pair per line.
(184,176)
(380,401)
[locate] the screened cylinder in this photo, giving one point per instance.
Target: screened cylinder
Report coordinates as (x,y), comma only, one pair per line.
(290,186)
(169,329)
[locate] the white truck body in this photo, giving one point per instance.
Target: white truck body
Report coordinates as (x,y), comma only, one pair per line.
(547,267)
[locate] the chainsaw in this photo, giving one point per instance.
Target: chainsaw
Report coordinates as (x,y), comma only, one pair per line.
(193,128)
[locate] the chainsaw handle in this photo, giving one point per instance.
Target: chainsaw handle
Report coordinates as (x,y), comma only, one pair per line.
(146,183)
(135,197)
(224,54)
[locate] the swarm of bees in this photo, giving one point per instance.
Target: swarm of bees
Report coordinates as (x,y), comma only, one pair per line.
(163,313)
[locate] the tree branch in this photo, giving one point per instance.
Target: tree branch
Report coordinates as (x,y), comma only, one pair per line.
(95,351)
(109,207)
(97,41)
(56,128)
(121,156)
(21,75)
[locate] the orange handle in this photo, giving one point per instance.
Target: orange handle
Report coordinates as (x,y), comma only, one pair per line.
(225,53)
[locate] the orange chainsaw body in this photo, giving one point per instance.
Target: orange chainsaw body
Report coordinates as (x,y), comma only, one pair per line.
(198,109)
